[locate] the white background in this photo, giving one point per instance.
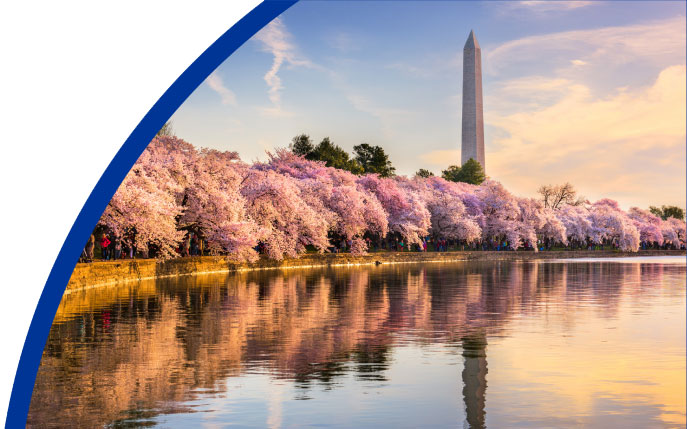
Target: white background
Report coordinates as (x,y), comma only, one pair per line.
(75,80)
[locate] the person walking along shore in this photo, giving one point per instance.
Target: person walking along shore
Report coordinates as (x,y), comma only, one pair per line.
(104,243)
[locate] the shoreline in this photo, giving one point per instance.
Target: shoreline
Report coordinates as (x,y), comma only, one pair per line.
(106,273)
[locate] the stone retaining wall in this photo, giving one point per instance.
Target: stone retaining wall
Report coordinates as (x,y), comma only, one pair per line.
(113,272)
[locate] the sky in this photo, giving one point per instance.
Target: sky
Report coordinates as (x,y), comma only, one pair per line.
(587,92)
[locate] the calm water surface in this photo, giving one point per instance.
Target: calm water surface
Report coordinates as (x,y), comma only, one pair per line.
(472,344)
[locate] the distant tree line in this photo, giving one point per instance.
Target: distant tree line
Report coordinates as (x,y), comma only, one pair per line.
(366,158)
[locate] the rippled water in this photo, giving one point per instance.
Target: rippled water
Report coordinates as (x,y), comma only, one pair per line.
(473,344)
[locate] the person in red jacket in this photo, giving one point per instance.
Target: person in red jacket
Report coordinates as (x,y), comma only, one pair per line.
(104,243)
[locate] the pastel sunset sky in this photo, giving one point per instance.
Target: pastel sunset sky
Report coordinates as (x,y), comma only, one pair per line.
(588,92)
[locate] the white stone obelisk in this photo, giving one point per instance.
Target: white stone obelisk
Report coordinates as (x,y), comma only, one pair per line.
(472,143)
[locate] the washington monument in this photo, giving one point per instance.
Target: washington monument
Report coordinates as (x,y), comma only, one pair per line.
(472,143)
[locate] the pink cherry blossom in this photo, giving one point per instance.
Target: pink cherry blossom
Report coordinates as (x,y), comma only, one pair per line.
(673,231)
(144,209)
(610,223)
(287,223)
(649,226)
(288,204)
(215,206)
(406,213)
(575,220)
(449,217)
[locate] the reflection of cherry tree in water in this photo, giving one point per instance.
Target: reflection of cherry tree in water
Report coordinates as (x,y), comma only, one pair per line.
(170,338)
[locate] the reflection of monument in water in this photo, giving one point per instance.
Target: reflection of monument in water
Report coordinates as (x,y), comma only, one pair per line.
(472,141)
(475,378)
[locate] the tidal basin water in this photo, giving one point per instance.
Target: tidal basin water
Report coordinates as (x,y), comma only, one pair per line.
(468,344)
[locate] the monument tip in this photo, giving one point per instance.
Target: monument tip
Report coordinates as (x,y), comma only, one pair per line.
(471,43)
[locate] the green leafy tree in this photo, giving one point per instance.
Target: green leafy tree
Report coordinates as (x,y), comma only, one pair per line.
(452,173)
(664,212)
(334,156)
(425,173)
(301,145)
(673,211)
(471,172)
(373,159)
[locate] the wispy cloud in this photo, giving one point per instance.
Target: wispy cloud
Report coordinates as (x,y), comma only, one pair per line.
(526,93)
(216,84)
(537,9)
(344,42)
(653,42)
(276,40)
(547,6)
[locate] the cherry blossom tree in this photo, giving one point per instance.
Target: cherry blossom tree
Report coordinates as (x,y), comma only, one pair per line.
(406,213)
(575,219)
(449,217)
(648,225)
(502,215)
(673,231)
(147,204)
(289,203)
(215,207)
(541,221)
(552,227)
(287,222)
(349,209)
(610,223)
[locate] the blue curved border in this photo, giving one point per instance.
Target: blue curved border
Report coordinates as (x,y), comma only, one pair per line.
(113,176)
